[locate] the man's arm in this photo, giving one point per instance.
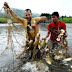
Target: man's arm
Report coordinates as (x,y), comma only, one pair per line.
(65,34)
(11,12)
(43,18)
(46,35)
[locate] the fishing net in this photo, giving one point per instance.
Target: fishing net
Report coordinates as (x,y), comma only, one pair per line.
(12,42)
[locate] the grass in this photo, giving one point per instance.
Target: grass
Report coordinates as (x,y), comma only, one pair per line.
(5,19)
(66,20)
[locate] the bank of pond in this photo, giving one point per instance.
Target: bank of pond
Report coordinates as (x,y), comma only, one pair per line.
(65,19)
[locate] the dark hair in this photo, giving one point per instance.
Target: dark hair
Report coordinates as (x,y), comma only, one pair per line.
(27,10)
(55,13)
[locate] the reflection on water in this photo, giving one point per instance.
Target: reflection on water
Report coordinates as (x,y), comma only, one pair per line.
(8,61)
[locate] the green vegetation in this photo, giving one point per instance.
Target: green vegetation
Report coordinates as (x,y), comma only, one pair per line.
(21,13)
(62,18)
(3,20)
(66,20)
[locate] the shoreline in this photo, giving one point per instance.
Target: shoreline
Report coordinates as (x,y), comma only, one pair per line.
(18,22)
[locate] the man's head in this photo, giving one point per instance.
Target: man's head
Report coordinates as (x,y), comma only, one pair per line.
(28,14)
(55,16)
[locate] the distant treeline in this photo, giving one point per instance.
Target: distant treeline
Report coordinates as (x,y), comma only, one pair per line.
(62,18)
(66,20)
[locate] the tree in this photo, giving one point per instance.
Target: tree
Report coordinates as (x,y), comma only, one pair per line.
(47,15)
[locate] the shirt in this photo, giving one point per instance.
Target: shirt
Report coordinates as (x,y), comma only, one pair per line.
(25,22)
(55,28)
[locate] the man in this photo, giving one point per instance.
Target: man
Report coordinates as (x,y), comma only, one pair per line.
(33,22)
(54,29)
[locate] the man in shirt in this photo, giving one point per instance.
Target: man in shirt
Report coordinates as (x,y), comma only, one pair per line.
(33,22)
(54,29)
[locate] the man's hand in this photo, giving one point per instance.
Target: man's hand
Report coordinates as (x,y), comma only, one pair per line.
(65,35)
(34,25)
(44,38)
(6,5)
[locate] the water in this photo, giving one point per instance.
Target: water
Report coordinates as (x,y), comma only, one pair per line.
(8,61)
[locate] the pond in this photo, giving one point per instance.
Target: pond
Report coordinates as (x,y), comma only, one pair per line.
(8,61)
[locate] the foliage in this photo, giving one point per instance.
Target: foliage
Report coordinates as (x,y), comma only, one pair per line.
(3,19)
(66,20)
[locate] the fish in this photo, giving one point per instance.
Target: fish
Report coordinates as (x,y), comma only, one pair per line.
(49,59)
(42,44)
(36,42)
(30,43)
(30,32)
(60,35)
(58,57)
(67,59)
